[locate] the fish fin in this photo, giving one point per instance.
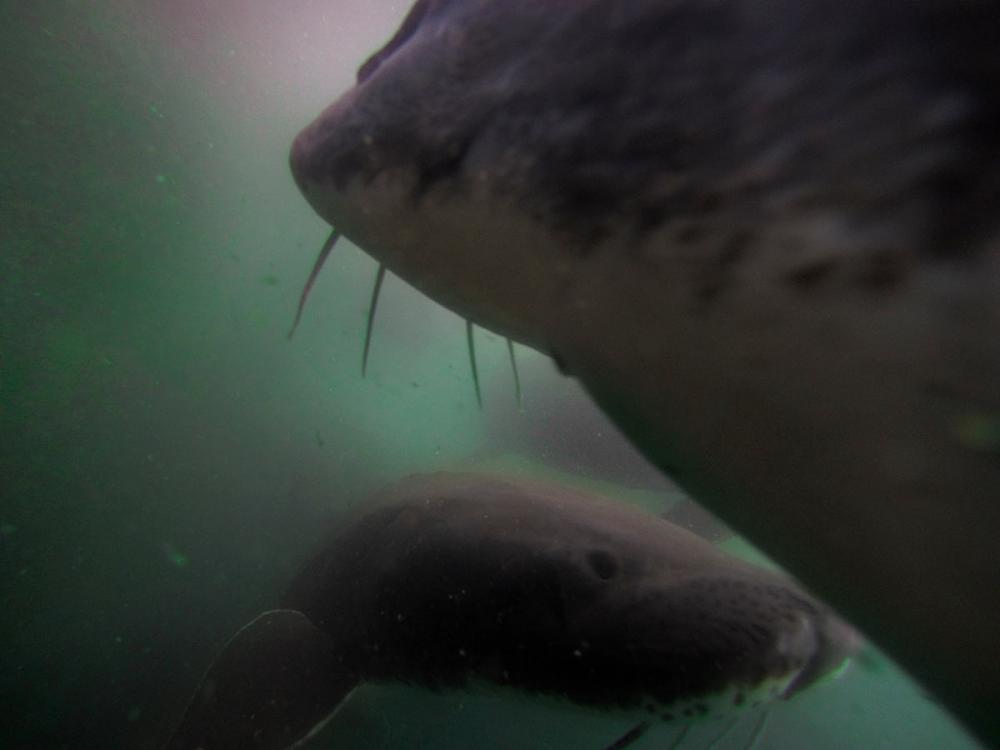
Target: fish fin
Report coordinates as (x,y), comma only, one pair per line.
(276,682)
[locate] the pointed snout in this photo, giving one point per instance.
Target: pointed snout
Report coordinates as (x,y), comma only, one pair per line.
(302,159)
(298,158)
(316,153)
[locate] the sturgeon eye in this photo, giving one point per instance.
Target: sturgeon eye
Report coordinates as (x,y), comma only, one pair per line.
(401,37)
(604,565)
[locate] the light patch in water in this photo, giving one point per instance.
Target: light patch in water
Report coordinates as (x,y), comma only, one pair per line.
(174,555)
(978,432)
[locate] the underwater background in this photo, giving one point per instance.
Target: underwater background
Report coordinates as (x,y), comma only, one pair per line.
(168,457)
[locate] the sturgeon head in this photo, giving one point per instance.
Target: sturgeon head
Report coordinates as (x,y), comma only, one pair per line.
(762,234)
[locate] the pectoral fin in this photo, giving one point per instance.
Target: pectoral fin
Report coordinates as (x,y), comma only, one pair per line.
(276,682)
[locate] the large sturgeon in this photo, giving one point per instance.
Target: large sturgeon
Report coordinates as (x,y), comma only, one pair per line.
(762,233)
(458,581)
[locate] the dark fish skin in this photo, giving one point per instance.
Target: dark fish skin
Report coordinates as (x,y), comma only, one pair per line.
(452,581)
(763,235)
(456,578)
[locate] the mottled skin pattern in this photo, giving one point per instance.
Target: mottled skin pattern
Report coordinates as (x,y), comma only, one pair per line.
(763,234)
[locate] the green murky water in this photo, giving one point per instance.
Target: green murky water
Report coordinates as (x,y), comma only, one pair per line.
(168,457)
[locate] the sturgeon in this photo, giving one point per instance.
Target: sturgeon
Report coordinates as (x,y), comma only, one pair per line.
(465,581)
(764,236)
